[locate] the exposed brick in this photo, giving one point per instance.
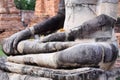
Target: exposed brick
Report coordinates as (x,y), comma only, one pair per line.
(119,9)
(46,7)
(9,18)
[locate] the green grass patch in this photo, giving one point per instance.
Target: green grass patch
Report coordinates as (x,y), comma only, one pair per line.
(118,78)
(1,52)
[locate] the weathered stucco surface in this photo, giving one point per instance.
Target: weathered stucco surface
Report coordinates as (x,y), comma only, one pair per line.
(10,22)
(13,71)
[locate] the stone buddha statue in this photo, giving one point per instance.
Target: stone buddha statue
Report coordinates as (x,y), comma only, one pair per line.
(88,38)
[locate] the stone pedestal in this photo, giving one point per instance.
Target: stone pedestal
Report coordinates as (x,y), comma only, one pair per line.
(13,71)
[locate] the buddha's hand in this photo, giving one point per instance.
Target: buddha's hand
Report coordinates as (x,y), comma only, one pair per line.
(9,45)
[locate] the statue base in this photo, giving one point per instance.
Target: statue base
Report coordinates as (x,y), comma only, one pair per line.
(13,71)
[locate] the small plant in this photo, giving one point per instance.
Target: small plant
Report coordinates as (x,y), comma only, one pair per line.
(118,78)
(1,52)
(25,4)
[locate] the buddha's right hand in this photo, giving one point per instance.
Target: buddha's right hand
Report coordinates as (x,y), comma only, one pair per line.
(9,45)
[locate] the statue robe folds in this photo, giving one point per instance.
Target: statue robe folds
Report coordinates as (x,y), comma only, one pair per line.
(88,39)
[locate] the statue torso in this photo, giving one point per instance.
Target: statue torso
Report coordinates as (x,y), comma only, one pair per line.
(79,11)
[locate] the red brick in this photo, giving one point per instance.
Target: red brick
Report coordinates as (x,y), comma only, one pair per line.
(47,7)
(9,18)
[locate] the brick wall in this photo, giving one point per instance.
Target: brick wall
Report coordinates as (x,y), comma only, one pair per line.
(9,18)
(46,7)
(119,9)
(43,10)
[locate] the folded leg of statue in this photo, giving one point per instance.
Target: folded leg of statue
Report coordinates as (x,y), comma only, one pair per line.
(87,54)
(35,46)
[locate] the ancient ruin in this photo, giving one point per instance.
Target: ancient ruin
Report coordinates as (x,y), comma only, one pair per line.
(14,71)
